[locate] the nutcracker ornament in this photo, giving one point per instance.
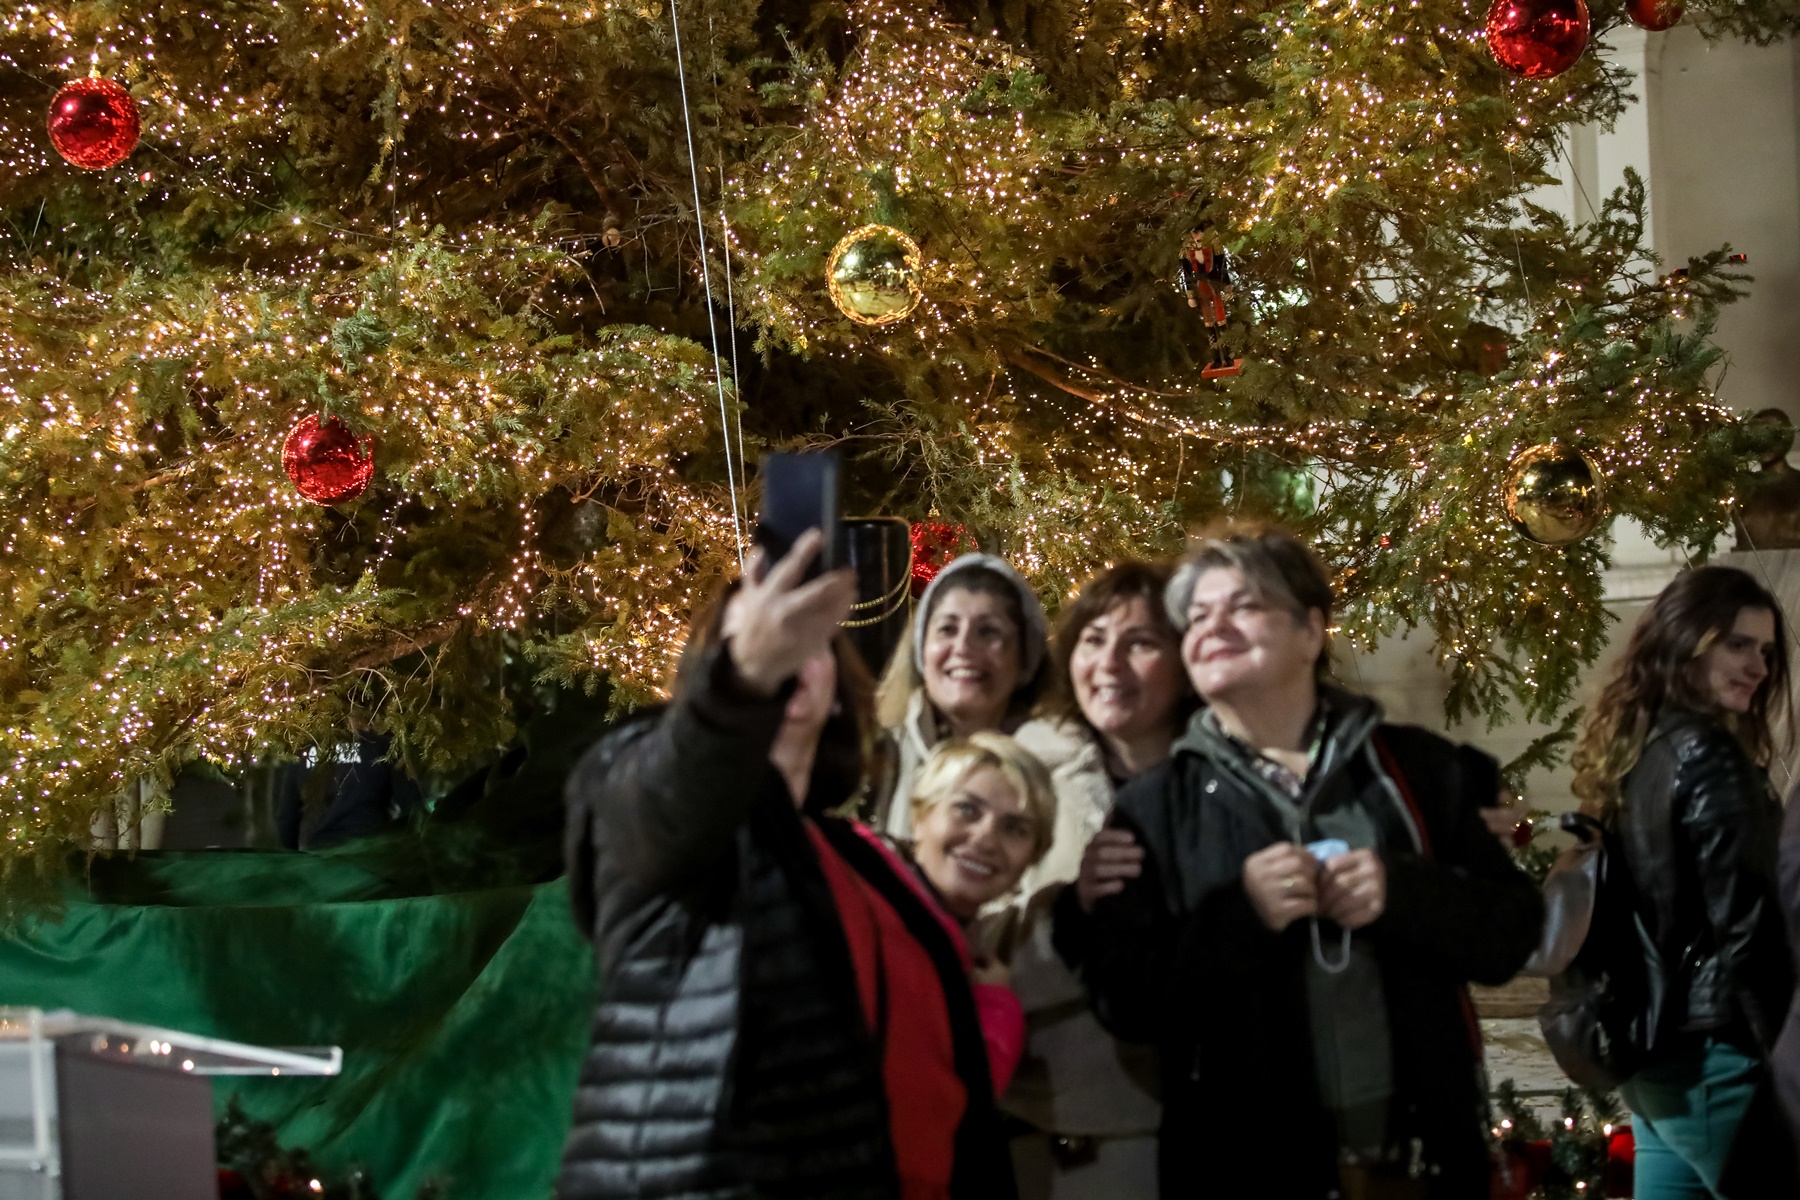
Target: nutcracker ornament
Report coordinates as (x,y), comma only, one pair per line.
(1205,278)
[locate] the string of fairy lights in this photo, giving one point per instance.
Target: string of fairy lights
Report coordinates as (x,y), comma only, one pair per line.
(167,563)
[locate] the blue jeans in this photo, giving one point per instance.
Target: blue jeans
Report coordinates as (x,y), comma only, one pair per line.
(1685,1115)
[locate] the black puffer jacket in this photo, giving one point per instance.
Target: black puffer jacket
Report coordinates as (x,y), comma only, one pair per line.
(730,1056)
(1700,826)
(1181,959)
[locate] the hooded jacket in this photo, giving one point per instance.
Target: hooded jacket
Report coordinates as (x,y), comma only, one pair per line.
(906,747)
(1181,959)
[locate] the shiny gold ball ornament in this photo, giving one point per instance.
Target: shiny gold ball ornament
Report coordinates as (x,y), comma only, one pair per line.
(873,275)
(1554,495)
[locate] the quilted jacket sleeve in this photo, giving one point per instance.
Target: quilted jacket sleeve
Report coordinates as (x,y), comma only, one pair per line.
(1726,812)
(656,804)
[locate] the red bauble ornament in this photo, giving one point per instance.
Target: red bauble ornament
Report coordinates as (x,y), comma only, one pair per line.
(1521,835)
(935,543)
(1617,1177)
(1655,15)
(1513,1178)
(327,462)
(1537,38)
(94,123)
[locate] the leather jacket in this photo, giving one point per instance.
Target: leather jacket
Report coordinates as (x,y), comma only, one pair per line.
(1699,825)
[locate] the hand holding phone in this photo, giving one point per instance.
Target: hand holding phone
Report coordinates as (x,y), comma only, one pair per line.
(775,622)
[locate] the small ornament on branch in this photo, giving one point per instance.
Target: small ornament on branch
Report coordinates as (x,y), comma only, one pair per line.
(1554,495)
(328,463)
(873,275)
(1537,39)
(94,123)
(1204,276)
(1655,15)
(934,544)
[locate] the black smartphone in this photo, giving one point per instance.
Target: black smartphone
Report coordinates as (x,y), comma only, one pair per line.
(800,492)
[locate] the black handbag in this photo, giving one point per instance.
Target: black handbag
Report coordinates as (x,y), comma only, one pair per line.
(1599,1020)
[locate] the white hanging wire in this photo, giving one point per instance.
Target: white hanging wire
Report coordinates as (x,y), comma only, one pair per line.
(712,324)
(730,299)
(1518,252)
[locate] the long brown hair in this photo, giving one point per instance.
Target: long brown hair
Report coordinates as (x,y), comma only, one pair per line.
(849,731)
(1129,580)
(1660,669)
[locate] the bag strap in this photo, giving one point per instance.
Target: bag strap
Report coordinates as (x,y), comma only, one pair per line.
(1392,766)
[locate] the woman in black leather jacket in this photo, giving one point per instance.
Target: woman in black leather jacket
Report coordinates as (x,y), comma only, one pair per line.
(1675,753)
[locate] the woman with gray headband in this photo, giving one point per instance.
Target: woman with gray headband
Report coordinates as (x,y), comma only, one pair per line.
(1315,888)
(972,660)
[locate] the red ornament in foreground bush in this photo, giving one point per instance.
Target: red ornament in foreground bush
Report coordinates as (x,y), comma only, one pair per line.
(935,543)
(327,462)
(1617,1178)
(94,123)
(1654,15)
(1537,38)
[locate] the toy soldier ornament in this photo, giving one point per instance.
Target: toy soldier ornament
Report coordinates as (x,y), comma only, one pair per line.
(1205,278)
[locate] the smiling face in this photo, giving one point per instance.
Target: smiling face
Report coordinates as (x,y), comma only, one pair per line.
(975,842)
(1239,642)
(971,659)
(1125,670)
(1737,663)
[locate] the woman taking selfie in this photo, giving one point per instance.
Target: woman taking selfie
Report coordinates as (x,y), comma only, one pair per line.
(1117,699)
(1316,887)
(1674,756)
(973,659)
(784,1012)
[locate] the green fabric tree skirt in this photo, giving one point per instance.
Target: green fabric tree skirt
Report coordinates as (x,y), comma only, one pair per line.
(463,1016)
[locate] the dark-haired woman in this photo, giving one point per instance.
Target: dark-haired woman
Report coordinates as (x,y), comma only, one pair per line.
(973,660)
(1675,752)
(1118,696)
(783,1012)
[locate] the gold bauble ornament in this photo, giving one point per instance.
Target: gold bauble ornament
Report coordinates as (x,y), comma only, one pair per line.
(1554,495)
(873,275)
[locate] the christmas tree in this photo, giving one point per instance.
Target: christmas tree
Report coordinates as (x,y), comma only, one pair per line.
(549,277)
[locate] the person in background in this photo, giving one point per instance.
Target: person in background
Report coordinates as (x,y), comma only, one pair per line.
(345,792)
(1086,1103)
(1674,755)
(1315,890)
(973,659)
(983,809)
(1786,1058)
(784,1012)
